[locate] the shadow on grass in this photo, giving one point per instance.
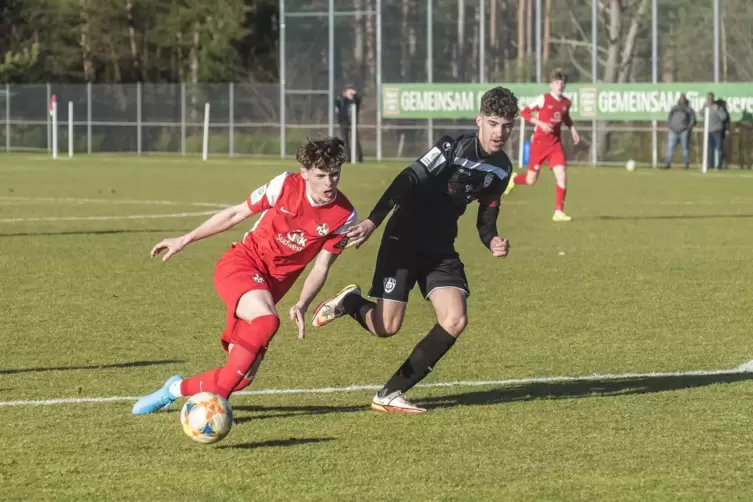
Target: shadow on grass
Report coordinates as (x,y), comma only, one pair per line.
(277,443)
(132,364)
(90,232)
(673,217)
(582,388)
(292,411)
(522,392)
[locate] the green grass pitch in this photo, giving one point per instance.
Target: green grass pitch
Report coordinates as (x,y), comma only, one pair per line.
(654,274)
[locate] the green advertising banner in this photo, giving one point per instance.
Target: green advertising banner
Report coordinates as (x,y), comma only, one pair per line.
(589,101)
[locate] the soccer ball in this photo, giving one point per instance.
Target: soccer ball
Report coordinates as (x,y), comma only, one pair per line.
(630,166)
(206,417)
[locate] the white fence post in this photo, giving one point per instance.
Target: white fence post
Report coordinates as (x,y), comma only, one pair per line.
(7,117)
(205,145)
(138,118)
(231,113)
(353,132)
(89,118)
(705,160)
(70,129)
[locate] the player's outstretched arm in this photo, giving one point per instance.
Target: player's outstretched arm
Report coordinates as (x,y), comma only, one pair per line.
(219,222)
(311,287)
(486,224)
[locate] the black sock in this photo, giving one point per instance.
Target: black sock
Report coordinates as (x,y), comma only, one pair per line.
(357,307)
(421,361)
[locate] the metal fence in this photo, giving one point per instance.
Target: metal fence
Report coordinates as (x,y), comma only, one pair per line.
(325,45)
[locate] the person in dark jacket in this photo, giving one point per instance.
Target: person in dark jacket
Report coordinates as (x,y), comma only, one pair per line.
(680,123)
(342,111)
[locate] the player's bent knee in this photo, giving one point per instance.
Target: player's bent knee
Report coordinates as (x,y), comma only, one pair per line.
(254,336)
(386,328)
(454,324)
(388,318)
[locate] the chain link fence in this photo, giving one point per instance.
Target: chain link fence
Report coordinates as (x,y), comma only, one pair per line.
(326,45)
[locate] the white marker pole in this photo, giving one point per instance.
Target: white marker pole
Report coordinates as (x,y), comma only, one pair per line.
(353,135)
(521,141)
(54,114)
(70,129)
(205,147)
(705,159)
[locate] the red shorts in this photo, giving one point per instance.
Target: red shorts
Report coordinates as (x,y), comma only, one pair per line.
(239,271)
(551,153)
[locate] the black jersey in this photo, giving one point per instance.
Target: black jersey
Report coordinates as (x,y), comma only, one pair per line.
(451,175)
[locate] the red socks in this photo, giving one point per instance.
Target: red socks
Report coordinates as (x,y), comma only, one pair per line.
(251,339)
(521,179)
(560,198)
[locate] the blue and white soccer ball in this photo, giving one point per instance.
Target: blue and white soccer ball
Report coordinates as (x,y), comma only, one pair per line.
(206,417)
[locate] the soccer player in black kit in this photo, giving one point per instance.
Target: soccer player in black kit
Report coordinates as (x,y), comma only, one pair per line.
(428,197)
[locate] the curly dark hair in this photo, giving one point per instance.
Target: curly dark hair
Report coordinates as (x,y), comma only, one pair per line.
(499,102)
(326,154)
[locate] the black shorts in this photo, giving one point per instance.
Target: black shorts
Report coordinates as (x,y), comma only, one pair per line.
(399,267)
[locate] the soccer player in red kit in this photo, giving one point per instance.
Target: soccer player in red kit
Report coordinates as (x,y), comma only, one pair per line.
(303,218)
(552,110)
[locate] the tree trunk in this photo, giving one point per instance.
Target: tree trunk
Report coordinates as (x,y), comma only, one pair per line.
(460,59)
(547,21)
(529,27)
(404,63)
(86,51)
(521,37)
(358,71)
(493,42)
(135,58)
(371,43)
(194,55)
(475,48)
(620,53)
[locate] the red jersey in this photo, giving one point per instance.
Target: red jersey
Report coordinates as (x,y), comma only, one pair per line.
(293,228)
(551,110)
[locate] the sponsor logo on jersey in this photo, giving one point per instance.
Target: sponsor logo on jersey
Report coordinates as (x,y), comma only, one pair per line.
(488,179)
(294,240)
(446,146)
(258,278)
(389,284)
(557,117)
(468,188)
(432,159)
(322,229)
(258,194)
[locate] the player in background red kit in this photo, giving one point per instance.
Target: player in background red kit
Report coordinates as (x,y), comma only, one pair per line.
(303,218)
(552,110)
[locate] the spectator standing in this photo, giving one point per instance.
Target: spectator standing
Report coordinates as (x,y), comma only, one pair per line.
(680,123)
(343,111)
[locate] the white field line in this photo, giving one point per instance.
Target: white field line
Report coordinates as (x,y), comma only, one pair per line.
(743,368)
(107,218)
(75,200)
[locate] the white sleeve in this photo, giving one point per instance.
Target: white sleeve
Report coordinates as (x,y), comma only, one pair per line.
(350,221)
(271,190)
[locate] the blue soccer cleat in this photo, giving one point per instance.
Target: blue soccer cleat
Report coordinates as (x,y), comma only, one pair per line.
(156,400)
